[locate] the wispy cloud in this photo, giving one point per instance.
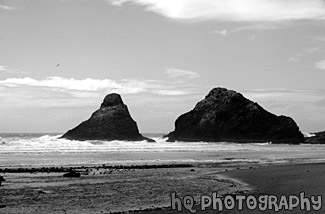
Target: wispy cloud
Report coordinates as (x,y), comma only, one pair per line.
(306,52)
(259,26)
(59,92)
(70,88)
(233,10)
(284,95)
(221,32)
(320,65)
(251,27)
(170,92)
(5,7)
(180,73)
(3,68)
(88,84)
(6,69)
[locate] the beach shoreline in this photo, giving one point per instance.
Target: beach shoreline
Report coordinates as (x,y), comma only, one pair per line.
(144,189)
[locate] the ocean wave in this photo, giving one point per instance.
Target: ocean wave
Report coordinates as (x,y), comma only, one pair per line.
(53,143)
(306,134)
(36,150)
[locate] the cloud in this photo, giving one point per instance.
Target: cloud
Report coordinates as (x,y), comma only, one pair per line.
(233,10)
(5,69)
(320,65)
(5,7)
(306,52)
(88,84)
(63,92)
(221,32)
(253,27)
(284,95)
(170,92)
(259,26)
(179,73)
(59,92)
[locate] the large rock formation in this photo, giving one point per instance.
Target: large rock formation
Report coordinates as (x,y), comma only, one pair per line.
(227,116)
(112,121)
(318,138)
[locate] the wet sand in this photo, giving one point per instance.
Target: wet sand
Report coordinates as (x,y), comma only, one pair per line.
(284,180)
(277,180)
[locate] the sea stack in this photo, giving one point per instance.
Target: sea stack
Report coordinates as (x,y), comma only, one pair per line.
(227,116)
(112,121)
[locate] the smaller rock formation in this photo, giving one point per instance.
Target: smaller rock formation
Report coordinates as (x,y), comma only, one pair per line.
(112,121)
(318,138)
(227,116)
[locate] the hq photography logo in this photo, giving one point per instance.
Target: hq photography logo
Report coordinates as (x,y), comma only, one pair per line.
(251,202)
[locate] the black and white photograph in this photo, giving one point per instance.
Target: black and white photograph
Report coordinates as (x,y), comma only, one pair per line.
(162,106)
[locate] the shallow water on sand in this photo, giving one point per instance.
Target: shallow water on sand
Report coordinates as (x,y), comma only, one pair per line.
(45,150)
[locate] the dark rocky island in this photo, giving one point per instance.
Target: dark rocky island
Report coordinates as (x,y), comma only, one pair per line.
(227,116)
(319,138)
(112,121)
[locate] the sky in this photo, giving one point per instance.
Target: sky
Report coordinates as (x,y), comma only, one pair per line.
(59,58)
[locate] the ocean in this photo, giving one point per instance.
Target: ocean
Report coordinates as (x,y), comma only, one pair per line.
(39,149)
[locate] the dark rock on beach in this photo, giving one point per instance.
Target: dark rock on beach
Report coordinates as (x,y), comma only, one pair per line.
(319,138)
(112,121)
(227,116)
(72,174)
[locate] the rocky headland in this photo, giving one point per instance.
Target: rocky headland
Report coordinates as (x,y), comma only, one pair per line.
(112,121)
(227,116)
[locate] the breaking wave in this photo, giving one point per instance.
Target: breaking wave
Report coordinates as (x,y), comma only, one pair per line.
(38,149)
(53,143)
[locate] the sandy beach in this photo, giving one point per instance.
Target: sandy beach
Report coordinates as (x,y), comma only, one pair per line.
(148,190)
(105,191)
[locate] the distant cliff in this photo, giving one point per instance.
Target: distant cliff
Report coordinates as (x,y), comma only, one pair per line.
(319,138)
(225,115)
(112,121)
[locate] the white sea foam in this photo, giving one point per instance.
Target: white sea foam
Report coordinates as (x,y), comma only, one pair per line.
(49,143)
(18,150)
(306,134)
